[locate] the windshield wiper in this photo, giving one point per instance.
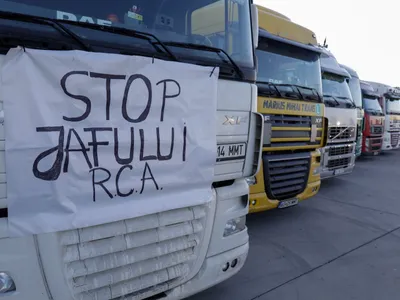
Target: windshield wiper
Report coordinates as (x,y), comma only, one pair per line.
(349,100)
(298,88)
(45,21)
(210,49)
(293,86)
(374,111)
(270,85)
(333,97)
(313,90)
(285,94)
(301,96)
(58,25)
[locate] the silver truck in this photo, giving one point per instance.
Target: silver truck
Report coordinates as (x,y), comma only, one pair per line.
(338,157)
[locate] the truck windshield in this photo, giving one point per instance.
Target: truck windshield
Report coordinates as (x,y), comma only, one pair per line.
(371,104)
(224,24)
(336,90)
(355,90)
(393,107)
(282,64)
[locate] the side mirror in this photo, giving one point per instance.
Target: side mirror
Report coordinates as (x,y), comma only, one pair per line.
(254,24)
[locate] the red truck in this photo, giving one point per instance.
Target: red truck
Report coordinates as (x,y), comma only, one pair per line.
(374,121)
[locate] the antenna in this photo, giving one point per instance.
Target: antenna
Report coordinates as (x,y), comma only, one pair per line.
(325,44)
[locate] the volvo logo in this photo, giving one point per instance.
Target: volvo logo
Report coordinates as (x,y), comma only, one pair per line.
(234,120)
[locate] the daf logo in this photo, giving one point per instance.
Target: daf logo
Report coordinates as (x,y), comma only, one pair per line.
(234,120)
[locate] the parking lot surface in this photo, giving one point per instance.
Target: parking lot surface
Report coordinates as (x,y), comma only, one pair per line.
(342,244)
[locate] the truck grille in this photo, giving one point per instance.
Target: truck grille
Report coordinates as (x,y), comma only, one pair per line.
(394,139)
(340,150)
(134,258)
(342,133)
(376,129)
(290,121)
(338,163)
(301,125)
(285,176)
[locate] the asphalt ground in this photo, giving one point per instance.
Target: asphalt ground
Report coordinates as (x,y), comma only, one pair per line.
(342,244)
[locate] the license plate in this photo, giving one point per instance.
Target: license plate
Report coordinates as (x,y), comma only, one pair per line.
(338,172)
(231,151)
(288,203)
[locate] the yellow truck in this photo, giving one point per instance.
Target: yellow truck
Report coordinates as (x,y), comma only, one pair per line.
(290,99)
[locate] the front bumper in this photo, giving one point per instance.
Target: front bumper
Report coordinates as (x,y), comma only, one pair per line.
(328,171)
(388,143)
(260,202)
(212,273)
(311,190)
(372,145)
(37,263)
(20,259)
(258,198)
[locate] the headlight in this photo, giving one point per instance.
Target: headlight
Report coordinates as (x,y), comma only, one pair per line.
(316,171)
(234,226)
(251,180)
(6,283)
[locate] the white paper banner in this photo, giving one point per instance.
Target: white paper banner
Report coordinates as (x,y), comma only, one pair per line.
(93,138)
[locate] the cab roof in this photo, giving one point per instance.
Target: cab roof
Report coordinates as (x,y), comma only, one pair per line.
(368,89)
(351,71)
(329,64)
(276,24)
(385,90)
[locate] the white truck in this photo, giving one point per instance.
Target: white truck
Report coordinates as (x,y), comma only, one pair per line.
(338,157)
(175,253)
(390,102)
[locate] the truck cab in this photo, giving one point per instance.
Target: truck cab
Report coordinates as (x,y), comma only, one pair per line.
(355,89)
(173,253)
(338,157)
(374,121)
(290,100)
(389,100)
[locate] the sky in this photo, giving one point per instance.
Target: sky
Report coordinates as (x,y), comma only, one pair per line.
(361,34)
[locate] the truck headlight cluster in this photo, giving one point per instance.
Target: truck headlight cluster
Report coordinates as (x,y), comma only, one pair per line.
(251,180)
(235,225)
(317,171)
